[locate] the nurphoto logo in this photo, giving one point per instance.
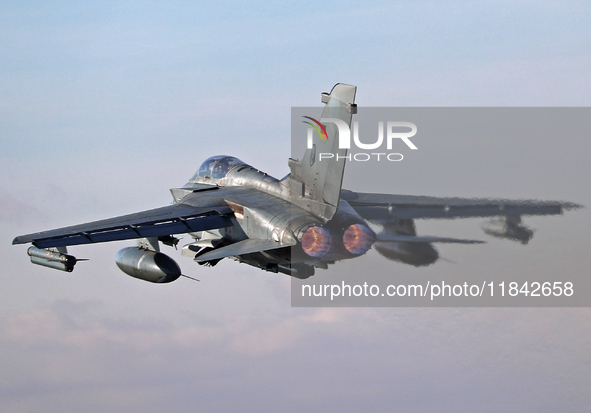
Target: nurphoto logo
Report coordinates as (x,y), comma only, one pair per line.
(393,130)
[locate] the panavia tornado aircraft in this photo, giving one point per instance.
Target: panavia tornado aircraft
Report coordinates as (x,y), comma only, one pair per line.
(293,225)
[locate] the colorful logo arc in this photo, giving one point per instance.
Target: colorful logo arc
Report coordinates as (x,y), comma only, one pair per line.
(320,129)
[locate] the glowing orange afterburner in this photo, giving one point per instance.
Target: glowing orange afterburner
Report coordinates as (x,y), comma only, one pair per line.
(316,241)
(358,239)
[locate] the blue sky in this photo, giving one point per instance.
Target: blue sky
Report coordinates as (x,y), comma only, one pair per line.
(105,106)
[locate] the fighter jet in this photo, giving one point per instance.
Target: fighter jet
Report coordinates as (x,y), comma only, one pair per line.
(292,225)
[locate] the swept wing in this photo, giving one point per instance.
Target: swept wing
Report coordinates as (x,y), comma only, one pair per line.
(172,219)
(386,207)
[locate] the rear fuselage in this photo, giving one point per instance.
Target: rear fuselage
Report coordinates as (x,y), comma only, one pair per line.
(264,209)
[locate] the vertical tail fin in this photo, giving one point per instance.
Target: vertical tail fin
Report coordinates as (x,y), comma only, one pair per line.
(316,180)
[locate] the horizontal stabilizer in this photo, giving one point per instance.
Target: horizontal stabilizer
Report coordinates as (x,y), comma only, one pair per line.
(411,238)
(247,246)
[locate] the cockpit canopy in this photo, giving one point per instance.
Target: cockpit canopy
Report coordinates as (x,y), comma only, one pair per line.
(217,167)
